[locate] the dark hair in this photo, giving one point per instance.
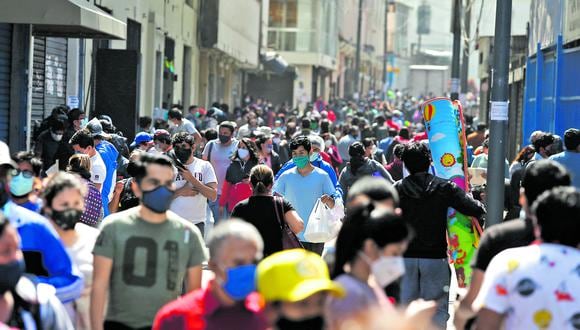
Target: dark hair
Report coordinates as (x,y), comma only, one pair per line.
(300,141)
(261,177)
(210,134)
(175,114)
(229,125)
(181,137)
(324,126)
(305,123)
(362,223)
(398,150)
(252,148)
(543,175)
(3,223)
(556,214)
(543,141)
(58,183)
(261,140)
(367,142)
(74,114)
(572,139)
(56,124)
(83,138)
(417,157)
(524,155)
(192,107)
(404,133)
(356,152)
(29,157)
(81,165)
(374,188)
(145,121)
(139,168)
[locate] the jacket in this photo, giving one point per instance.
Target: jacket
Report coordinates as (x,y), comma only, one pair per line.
(234,188)
(369,168)
(424,200)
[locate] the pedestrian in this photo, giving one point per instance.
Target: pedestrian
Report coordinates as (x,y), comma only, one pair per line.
(171,247)
(219,153)
(345,142)
(23,183)
(180,124)
(372,152)
(369,257)
(123,197)
(303,185)
(236,186)
(63,205)
(195,183)
(229,300)
(143,141)
(267,212)
(570,158)
(49,141)
(424,201)
(162,141)
(296,284)
(80,164)
(536,286)
(541,176)
(395,168)
(82,142)
(44,253)
(268,156)
(25,303)
(360,166)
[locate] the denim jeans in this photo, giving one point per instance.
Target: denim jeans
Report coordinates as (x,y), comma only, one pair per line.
(215,209)
(429,279)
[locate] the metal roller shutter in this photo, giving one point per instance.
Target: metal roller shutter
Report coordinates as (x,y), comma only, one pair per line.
(5,68)
(39,59)
(55,74)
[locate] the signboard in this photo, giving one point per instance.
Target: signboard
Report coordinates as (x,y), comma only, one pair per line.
(72,101)
(499,110)
(571,21)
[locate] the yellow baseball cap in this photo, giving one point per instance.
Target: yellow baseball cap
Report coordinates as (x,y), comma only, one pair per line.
(294,275)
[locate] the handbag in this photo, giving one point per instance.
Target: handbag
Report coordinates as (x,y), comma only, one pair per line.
(289,239)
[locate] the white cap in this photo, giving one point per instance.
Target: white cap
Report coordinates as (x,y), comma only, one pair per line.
(5,155)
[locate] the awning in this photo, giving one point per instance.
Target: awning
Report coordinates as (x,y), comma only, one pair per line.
(63,18)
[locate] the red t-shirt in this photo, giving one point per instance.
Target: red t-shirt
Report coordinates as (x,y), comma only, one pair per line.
(200,309)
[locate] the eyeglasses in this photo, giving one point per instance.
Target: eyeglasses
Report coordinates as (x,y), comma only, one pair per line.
(25,173)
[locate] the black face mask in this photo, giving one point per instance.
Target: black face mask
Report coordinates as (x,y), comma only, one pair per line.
(182,154)
(315,323)
(66,219)
(10,273)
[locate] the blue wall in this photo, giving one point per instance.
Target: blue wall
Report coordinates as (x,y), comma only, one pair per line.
(552,91)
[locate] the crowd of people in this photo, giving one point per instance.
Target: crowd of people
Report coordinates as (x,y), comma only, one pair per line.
(201,222)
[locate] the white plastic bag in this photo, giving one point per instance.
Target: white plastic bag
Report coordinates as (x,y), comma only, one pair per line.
(320,227)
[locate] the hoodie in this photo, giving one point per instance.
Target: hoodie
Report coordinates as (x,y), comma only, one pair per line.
(424,200)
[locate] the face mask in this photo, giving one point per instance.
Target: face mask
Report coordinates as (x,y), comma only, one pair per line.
(276,140)
(328,143)
(224,138)
(243,153)
(21,185)
(84,122)
(386,269)
(240,281)
(182,154)
(158,200)
(269,148)
(56,137)
(314,156)
(314,323)
(301,161)
(66,219)
(10,273)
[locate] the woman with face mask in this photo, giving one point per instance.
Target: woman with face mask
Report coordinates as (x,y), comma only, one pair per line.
(63,206)
(236,186)
(80,164)
(369,257)
(268,156)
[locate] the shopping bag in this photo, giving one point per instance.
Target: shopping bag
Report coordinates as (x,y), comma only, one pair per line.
(320,227)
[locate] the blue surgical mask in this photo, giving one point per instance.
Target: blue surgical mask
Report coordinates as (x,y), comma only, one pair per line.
(21,185)
(240,281)
(158,200)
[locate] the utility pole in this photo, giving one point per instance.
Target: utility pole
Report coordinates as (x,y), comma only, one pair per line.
(358,49)
(456,50)
(499,112)
(466,48)
(385,50)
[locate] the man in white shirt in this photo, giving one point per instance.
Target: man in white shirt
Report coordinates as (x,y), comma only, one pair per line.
(181,124)
(196,182)
(82,142)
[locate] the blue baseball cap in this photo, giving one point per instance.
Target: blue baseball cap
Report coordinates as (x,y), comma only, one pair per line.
(140,138)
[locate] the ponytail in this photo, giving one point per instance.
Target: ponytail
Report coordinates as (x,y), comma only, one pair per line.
(261,177)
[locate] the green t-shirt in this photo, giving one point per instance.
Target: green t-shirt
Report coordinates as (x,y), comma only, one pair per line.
(150,262)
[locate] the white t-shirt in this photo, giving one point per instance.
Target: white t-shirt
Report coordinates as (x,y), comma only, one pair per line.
(535,287)
(193,208)
(98,169)
(185,126)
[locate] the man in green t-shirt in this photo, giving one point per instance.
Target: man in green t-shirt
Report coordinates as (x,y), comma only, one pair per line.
(143,254)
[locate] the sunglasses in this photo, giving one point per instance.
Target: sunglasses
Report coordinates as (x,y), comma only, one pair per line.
(25,173)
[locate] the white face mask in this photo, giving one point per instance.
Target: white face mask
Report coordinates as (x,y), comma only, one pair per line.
(243,153)
(385,269)
(56,137)
(328,143)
